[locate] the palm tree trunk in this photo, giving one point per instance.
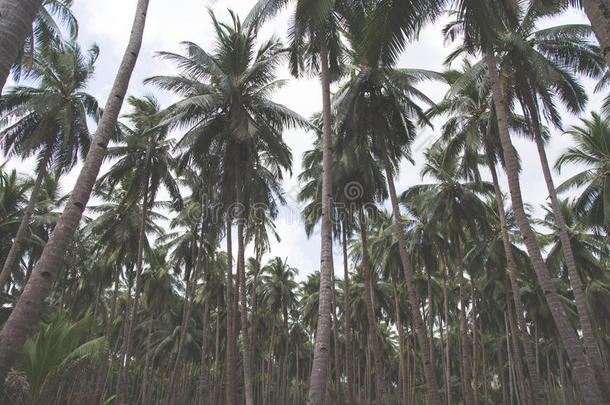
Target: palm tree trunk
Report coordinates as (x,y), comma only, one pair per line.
(124,390)
(431,384)
(516,292)
(501,369)
(598,12)
(401,350)
(349,359)
(16,19)
(466,370)
(229,353)
(447,351)
(15,251)
(319,368)
(202,363)
(592,350)
(144,393)
(241,268)
(25,315)
(521,382)
(382,389)
(340,399)
(583,373)
(254,305)
(475,376)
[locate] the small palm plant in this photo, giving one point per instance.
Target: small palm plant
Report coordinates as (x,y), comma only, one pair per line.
(57,349)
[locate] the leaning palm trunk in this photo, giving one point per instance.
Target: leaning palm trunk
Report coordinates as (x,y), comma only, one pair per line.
(15,250)
(592,350)
(319,369)
(465,358)
(382,388)
(16,18)
(420,329)
(401,349)
(582,372)
(339,386)
(512,272)
(26,312)
(598,12)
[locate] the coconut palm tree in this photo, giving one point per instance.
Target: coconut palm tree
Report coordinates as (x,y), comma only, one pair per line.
(143,166)
(48,121)
(241,134)
(23,317)
(592,149)
(480,22)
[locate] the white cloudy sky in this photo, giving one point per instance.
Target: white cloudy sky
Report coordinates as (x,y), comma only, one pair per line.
(108,22)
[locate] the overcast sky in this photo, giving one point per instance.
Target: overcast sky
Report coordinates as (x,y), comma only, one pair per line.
(107,23)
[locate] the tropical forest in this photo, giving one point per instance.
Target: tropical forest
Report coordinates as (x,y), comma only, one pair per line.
(304,202)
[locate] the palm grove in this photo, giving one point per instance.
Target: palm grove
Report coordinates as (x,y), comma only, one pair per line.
(456,294)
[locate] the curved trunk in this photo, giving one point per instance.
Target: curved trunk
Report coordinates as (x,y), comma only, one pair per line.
(349,360)
(466,370)
(382,388)
(25,315)
(537,386)
(598,12)
(16,19)
(592,349)
(202,363)
(582,372)
(319,368)
(420,329)
(15,251)
(144,392)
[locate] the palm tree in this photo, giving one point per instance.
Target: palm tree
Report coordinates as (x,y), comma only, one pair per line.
(241,134)
(479,22)
(378,103)
(598,12)
(144,162)
(23,317)
(592,149)
(48,121)
(470,127)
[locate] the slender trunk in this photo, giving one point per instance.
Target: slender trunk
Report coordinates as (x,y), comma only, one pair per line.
(521,382)
(447,350)
(340,399)
(501,369)
(349,359)
(583,373)
(430,320)
(271,343)
(516,292)
(16,19)
(230,386)
(475,376)
(25,314)
(401,360)
(598,12)
(253,333)
(16,247)
(319,368)
(567,400)
(431,385)
(124,390)
(144,393)
(241,268)
(214,393)
(592,350)
(382,389)
(466,369)
(202,362)
(510,362)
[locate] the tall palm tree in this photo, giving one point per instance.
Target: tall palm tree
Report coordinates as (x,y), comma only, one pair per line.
(598,12)
(48,121)
(379,103)
(480,22)
(315,40)
(23,317)
(144,165)
(239,128)
(592,149)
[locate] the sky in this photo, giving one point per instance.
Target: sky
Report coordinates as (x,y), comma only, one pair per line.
(107,23)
